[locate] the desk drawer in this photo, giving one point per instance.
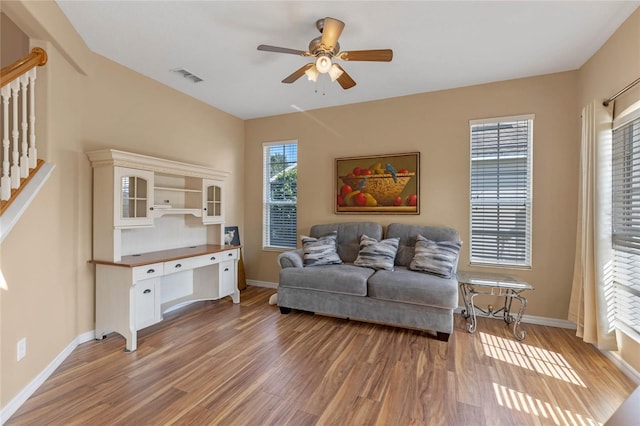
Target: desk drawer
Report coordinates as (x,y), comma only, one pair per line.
(214,258)
(147,271)
(181,265)
(207,259)
(230,254)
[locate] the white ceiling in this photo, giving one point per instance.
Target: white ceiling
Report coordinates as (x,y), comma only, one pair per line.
(437,45)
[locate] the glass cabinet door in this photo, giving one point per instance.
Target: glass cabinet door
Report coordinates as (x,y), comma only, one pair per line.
(212,200)
(134,197)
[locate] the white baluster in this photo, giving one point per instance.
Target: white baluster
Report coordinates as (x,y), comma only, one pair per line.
(33,152)
(24,160)
(15,168)
(5,181)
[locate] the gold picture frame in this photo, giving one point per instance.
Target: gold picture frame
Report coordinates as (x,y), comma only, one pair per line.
(378,184)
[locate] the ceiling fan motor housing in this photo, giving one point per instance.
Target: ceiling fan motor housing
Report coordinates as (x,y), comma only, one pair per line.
(317,48)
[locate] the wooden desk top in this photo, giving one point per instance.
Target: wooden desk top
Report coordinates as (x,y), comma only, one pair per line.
(141,259)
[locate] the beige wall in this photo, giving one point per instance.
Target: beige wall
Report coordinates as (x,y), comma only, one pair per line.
(14,44)
(50,295)
(437,125)
(613,67)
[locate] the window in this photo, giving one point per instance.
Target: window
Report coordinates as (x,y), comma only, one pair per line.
(280,171)
(501,191)
(626,224)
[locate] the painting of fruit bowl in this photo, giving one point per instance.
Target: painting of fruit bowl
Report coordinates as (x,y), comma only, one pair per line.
(378,184)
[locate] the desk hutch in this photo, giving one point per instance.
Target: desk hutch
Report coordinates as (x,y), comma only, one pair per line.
(158,243)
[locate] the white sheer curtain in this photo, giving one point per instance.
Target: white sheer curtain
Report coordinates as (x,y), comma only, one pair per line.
(592,269)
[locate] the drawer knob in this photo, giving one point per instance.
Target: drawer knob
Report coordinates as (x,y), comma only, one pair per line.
(151,271)
(178,265)
(226,269)
(230,254)
(213,258)
(147,291)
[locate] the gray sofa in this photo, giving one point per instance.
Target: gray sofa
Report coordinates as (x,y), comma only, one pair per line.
(401,297)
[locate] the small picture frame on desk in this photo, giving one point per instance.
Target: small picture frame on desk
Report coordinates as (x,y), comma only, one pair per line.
(231,236)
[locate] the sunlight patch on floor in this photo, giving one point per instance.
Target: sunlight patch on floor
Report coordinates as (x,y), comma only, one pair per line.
(525,403)
(530,357)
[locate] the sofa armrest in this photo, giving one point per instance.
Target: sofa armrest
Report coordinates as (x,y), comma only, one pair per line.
(291,259)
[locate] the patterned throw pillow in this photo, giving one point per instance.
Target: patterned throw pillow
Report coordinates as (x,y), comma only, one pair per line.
(320,251)
(377,254)
(435,257)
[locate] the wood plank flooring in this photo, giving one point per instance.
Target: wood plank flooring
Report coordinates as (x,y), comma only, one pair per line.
(218,363)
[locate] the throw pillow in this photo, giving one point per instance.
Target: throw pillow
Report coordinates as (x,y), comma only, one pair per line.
(435,257)
(320,251)
(377,254)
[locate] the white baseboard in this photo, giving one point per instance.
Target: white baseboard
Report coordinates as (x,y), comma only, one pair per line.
(551,322)
(13,405)
(623,366)
(267,284)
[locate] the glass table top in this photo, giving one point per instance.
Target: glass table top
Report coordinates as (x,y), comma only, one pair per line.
(482,279)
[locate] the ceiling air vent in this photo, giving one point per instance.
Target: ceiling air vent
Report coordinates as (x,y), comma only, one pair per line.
(188,75)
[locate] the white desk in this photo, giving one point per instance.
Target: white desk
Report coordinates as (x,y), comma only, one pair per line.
(475,283)
(134,293)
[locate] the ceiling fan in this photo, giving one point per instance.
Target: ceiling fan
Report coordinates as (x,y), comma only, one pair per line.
(325,49)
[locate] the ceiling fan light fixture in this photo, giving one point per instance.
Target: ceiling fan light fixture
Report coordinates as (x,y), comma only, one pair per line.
(312,73)
(323,64)
(335,72)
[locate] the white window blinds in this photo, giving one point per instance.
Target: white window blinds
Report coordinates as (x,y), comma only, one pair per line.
(280,171)
(501,191)
(626,226)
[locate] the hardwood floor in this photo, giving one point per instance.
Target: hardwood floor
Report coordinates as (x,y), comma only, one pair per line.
(219,363)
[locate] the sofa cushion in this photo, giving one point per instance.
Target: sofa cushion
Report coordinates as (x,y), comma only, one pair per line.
(349,234)
(435,257)
(343,279)
(408,234)
(320,251)
(377,254)
(403,285)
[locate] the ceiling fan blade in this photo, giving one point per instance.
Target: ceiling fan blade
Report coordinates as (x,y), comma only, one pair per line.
(331,30)
(267,48)
(297,74)
(379,55)
(345,79)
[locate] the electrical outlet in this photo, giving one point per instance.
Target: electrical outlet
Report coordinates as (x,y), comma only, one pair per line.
(22,348)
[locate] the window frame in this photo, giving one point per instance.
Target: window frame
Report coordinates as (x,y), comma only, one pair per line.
(268,202)
(475,257)
(624,238)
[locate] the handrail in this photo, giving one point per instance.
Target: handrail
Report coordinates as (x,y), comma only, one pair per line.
(37,57)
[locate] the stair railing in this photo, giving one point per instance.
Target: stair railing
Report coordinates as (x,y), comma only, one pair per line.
(17,82)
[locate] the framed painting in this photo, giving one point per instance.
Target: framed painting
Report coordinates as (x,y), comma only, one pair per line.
(378,184)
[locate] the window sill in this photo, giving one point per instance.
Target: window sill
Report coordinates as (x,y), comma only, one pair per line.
(501,266)
(278,249)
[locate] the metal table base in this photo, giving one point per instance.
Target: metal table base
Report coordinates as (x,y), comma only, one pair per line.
(473,284)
